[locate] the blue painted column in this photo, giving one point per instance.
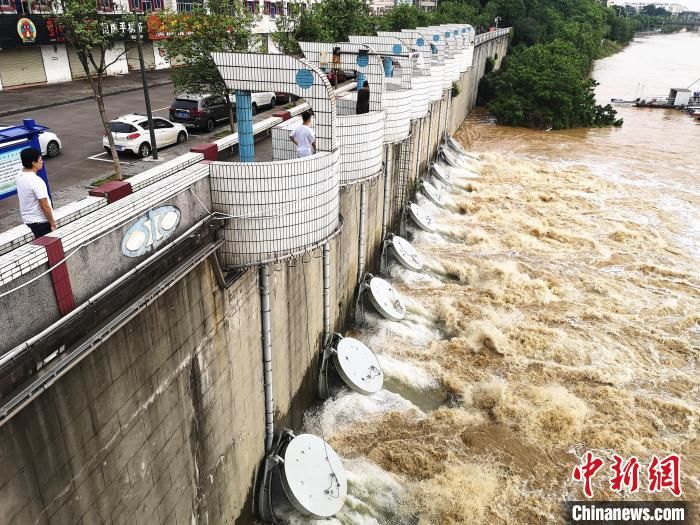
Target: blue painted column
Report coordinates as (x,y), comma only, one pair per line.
(244,120)
(360,80)
(388,67)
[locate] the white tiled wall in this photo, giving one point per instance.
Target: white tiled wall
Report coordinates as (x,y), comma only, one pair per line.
(361,139)
(411,37)
(398,115)
(92,225)
(437,75)
(384,45)
(420,98)
(434,36)
(278,209)
(373,71)
(261,72)
(282,147)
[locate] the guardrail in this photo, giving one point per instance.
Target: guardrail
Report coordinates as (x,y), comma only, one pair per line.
(491,35)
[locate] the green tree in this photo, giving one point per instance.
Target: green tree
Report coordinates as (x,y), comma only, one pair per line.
(509,11)
(403,16)
(653,10)
(546,86)
(450,12)
(224,26)
(324,21)
(88,32)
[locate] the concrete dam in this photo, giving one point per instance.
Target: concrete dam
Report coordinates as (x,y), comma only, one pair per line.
(156,344)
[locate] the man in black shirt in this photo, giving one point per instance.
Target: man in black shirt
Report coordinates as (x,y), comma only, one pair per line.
(362,105)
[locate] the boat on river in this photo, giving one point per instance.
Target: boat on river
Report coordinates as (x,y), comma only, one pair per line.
(677,98)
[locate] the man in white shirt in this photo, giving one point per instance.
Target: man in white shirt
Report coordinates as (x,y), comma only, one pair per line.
(303,137)
(34,203)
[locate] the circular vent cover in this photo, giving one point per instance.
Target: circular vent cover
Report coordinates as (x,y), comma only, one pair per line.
(421,217)
(433,194)
(406,253)
(439,174)
(386,300)
(313,476)
(358,366)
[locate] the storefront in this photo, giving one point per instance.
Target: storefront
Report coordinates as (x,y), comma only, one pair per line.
(21,38)
(33,51)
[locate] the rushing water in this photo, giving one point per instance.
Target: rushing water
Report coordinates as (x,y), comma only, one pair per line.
(560,314)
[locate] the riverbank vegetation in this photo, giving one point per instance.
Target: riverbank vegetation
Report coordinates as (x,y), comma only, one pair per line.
(544,81)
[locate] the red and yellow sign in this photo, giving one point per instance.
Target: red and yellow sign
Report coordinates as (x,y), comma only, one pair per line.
(26,30)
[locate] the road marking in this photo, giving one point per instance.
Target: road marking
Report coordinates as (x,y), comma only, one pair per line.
(94,157)
(99,155)
(161,109)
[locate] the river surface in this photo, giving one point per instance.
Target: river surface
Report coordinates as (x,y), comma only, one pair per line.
(559,314)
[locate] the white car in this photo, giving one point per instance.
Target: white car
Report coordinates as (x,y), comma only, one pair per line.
(131,133)
(50,144)
(259,99)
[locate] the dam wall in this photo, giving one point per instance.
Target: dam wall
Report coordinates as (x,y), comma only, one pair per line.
(160,418)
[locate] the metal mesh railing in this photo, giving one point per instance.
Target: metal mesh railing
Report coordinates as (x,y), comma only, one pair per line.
(275,210)
(398,114)
(403,170)
(361,141)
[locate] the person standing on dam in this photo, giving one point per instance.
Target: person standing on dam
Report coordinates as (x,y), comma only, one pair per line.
(34,203)
(303,137)
(362,105)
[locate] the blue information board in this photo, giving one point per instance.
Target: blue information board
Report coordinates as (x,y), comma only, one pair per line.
(12,141)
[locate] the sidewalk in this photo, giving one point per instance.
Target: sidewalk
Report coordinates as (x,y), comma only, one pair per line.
(22,100)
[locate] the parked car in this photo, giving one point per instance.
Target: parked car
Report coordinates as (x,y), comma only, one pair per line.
(131,133)
(335,76)
(50,144)
(340,75)
(201,111)
(261,99)
(285,98)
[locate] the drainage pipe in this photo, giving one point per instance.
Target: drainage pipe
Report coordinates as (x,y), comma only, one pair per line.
(441,128)
(326,294)
(430,132)
(267,354)
(363,213)
(447,112)
(385,214)
(420,146)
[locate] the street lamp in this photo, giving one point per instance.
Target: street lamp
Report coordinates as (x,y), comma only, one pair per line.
(149,113)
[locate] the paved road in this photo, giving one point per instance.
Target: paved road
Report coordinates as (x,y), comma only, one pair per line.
(80,130)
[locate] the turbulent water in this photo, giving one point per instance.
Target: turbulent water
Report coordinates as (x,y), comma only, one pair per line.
(560,313)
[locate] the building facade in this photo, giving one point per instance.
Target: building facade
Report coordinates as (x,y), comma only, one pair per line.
(672,8)
(33,51)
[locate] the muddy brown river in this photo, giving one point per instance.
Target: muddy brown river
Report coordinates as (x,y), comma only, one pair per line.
(559,314)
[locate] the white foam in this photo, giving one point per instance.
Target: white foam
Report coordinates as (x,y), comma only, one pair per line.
(349,407)
(373,497)
(407,373)
(414,279)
